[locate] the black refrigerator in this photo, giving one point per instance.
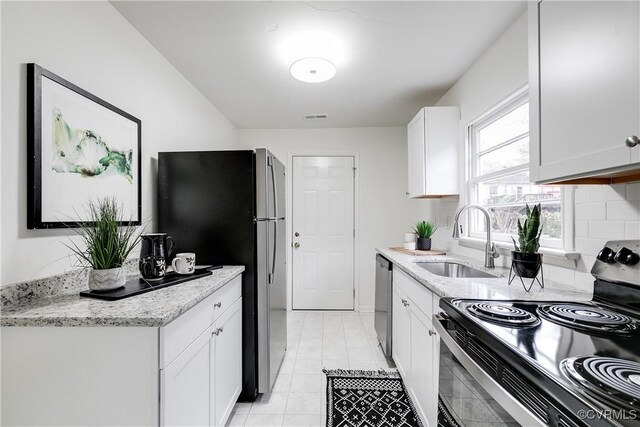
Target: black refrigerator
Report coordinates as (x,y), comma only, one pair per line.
(229,208)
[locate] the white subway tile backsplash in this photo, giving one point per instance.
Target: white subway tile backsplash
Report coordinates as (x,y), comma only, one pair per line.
(582,228)
(632,230)
(591,211)
(628,210)
(581,194)
(633,191)
(559,274)
(588,246)
(607,230)
(606,193)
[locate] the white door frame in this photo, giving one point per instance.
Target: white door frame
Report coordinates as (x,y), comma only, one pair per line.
(356,218)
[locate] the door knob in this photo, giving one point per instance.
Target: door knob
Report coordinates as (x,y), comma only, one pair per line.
(296,234)
(632,141)
(296,245)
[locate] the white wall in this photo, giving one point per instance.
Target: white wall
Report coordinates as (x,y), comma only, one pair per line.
(385,211)
(93,46)
(601,212)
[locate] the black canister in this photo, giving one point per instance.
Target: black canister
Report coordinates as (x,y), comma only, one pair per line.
(155,250)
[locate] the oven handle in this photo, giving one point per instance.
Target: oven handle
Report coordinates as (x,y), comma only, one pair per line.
(508,402)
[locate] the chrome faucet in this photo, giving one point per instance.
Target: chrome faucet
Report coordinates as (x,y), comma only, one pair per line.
(490,252)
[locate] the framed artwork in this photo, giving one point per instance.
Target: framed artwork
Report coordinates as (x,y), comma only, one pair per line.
(80,149)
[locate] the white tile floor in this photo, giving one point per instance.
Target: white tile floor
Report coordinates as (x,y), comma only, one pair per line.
(316,340)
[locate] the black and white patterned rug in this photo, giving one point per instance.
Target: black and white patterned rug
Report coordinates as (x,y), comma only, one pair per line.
(368,399)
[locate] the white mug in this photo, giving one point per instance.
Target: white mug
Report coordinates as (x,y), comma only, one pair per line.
(184,263)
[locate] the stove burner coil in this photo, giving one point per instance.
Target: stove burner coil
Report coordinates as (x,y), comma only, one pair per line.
(502,314)
(615,380)
(587,317)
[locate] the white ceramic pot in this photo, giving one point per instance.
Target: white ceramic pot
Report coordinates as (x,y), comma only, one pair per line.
(106,280)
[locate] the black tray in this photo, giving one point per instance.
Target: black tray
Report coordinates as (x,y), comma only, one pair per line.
(140,286)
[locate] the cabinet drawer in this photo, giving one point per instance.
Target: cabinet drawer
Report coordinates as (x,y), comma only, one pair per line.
(177,335)
(421,297)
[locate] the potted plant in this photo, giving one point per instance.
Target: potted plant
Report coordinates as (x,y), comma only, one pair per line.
(525,257)
(104,244)
(424,230)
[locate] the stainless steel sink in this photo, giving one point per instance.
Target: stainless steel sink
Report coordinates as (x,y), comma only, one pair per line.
(453,269)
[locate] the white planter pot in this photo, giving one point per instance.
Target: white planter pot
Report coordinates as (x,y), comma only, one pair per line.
(105,280)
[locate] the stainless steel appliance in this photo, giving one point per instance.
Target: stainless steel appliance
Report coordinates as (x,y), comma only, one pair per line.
(383,304)
(228,207)
(564,364)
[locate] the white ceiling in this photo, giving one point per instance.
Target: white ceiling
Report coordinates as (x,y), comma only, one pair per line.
(394,57)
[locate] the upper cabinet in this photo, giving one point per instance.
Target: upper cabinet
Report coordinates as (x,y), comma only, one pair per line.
(433,152)
(584,81)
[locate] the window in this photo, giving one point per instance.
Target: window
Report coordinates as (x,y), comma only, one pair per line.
(499,176)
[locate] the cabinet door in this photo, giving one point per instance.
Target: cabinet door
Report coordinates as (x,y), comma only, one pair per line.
(226,363)
(185,386)
(424,367)
(416,155)
(401,344)
(589,62)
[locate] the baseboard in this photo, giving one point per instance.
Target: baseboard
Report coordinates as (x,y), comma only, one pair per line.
(366,309)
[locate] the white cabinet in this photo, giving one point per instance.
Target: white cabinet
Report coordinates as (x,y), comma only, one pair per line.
(425,348)
(185,386)
(432,138)
(416,347)
(585,92)
(226,363)
(180,374)
(400,350)
(202,383)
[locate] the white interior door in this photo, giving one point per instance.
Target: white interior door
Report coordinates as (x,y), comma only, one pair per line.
(323,233)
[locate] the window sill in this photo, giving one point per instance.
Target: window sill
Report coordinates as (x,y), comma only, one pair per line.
(556,257)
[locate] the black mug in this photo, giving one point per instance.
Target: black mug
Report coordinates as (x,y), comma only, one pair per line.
(152,267)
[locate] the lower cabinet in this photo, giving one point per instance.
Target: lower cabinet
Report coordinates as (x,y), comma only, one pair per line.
(226,364)
(185,386)
(416,347)
(185,373)
(200,386)
(425,353)
(401,350)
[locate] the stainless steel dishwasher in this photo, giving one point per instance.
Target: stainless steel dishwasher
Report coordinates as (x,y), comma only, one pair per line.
(384,303)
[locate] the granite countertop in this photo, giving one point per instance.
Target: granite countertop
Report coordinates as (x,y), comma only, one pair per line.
(154,309)
(481,288)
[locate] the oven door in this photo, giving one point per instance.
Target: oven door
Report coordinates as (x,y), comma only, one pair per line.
(469,396)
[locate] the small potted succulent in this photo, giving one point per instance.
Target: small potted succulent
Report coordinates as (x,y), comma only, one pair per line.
(526,258)
(105,244)
(424,230)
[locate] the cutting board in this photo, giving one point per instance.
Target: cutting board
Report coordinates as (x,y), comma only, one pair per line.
(432,252)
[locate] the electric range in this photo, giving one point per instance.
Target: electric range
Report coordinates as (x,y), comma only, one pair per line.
(565,364)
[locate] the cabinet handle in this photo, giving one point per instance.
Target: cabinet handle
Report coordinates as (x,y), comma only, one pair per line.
(405,303)
(632,141)
(431,332)
(217,331)
(407,193)
(218,304)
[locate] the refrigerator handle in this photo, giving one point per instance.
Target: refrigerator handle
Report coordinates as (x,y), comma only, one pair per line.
(275,223)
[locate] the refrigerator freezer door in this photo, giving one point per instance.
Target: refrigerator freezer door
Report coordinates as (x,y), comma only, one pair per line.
(263,183)
(276,188)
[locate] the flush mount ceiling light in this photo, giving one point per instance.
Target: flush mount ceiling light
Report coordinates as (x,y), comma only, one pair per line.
(313,70)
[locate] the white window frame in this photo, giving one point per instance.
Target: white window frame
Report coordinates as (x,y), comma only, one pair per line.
(517,99)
